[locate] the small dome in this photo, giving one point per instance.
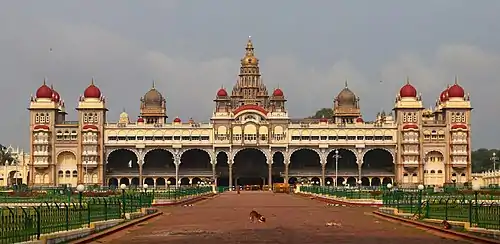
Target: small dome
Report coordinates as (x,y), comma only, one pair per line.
(153,98)
(92,91)
(140,120)
(408,91)
(177,120)
(222,92)
(44,92)
(360,120)
(278,92)
(55,96)
(444,95)
(456,91)
(346,98)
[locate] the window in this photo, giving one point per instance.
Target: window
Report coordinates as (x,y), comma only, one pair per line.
(75,174)
(85,119)
(47,118)
(95,118)
(37,118)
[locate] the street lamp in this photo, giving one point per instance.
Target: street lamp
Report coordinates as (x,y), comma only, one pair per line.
(389,194)
(80,188)
(420,189)
(168,188)
(336,156)
(123,187)
(494,159)
(476,187)
(359,188)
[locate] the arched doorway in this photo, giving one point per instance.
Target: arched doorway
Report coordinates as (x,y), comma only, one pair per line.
(434,169)
(124,181)
(122,162)
(15,178)
(346,163)
(304,162)
(195,162)
(149,181)
(292,180)
(161,182)
(222,169)
(278,168)
(158,162)
(66,162)
(250,167)
(377,162)
(113,182)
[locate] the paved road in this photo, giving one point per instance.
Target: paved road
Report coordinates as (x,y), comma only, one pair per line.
(290,219)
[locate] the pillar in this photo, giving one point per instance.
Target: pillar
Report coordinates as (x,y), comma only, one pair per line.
(270,173)
(323,171)
(287,164)
(140,163)
(176,174)
(230,164)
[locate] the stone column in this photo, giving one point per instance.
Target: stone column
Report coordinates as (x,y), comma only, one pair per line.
(270,173)
(176,173)
(230,164)
(140,163)
(287,164)
(323,172)
(214,176)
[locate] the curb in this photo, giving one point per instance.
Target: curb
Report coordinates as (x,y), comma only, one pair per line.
(99,235)
(187,201)
(462,235)
(334,201)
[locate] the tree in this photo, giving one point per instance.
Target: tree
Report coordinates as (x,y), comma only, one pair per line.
(6,156)
(481,160)
(323,113)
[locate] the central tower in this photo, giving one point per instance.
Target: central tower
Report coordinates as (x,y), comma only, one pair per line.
(249,89)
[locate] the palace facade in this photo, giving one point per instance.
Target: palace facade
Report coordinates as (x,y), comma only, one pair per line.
(14,167)
(251,139)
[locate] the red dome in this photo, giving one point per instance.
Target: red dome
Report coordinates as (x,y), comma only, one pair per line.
(278,92)
(44,92)
(444,95)
(408,91)
(323,120)
(140,120)
(359,120)
(222,93)
(410,126)
(177,120)
(456,91)
(459,126)
(55,96)
(92,91)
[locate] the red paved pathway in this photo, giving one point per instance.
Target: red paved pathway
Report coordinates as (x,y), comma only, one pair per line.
(290,219)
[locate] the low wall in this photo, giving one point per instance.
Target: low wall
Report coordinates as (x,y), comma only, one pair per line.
(493,235)
(66,236)
(336,200)
(187,200)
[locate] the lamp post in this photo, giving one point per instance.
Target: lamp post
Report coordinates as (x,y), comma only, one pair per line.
(494,159)
(123,187)
(168,188)
(476,187)
(389,194)
(420,189)
(359,188)
(80,188)
(336,156)
(145,187)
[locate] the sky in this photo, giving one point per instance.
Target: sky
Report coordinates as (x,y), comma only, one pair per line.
(191,48)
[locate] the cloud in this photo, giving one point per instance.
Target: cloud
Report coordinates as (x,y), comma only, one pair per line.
(124,69)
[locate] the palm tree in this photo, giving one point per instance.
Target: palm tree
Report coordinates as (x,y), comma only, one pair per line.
(6,156)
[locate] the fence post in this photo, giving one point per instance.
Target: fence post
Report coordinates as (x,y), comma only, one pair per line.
(38,222)
(105,209)
(427,208)
(446,209)
(66,207)
(89,216)
(470,213)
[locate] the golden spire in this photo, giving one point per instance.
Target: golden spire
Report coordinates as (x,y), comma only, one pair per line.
(92,81)
(407,80)
(154,85)
(249,59)
(456,80)
(345,83)
(44,80)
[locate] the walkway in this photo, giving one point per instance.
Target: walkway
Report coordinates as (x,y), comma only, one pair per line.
(290,219)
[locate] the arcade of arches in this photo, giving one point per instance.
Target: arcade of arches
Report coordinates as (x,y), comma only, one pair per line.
(250,166)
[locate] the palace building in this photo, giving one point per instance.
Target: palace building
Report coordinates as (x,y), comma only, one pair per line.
(251,139)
